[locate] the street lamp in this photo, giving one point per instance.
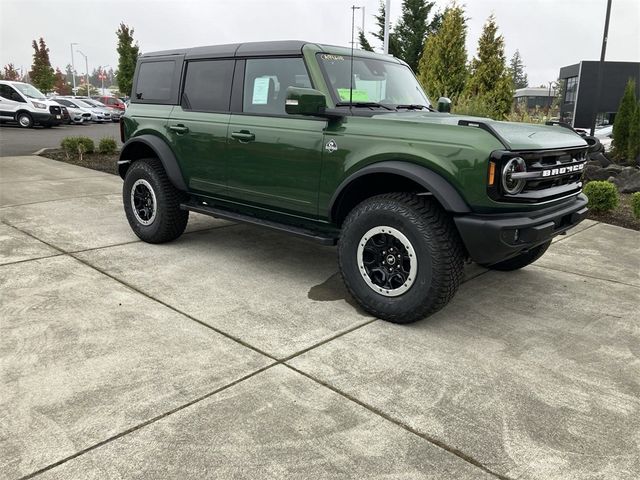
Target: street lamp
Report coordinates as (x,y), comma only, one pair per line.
(103,76)
(73,69)
(387,9)
(86,77)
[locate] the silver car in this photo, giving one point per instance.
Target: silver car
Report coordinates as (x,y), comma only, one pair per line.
(77,114)
(98,115)
(113,112)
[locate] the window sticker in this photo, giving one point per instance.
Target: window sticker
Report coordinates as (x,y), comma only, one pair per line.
(332,58)
(358,95)
(260,91)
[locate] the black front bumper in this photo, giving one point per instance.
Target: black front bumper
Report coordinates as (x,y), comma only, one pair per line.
(46,118)
(492,238)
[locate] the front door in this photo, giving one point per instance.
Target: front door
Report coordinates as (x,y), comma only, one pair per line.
(274,159)
(197,128)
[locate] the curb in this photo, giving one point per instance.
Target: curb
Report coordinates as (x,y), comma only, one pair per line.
(44,150)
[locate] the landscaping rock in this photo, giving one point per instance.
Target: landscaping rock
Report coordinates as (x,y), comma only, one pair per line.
(599,158)
(593,172)
(628,180)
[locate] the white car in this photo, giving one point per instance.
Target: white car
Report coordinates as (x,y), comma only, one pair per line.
(98,115)
(116,113)
(77,114)
(26,105)
(605,135)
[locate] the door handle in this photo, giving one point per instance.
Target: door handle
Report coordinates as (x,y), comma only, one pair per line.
(179,128)
(244,136)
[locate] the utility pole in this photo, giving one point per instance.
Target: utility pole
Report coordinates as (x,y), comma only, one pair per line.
(73,69)
(596,103)
(86,76)
(387,9)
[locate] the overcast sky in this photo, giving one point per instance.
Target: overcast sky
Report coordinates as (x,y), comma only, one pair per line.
(549,33)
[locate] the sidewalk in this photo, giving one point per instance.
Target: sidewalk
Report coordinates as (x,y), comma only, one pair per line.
(234,352)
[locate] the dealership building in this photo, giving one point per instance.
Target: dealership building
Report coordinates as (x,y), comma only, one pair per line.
(580,84)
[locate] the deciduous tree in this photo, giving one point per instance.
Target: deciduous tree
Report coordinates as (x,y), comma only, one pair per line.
(128,56)
(10,73)
(443,67)
(61,85)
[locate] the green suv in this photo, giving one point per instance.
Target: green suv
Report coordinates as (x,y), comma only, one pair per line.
(347,150)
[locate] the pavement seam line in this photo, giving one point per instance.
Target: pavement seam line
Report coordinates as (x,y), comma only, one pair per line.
(32,259)
(586,276)
(565,237)
(56,180)
(57,200)
(454,451)
(148,422)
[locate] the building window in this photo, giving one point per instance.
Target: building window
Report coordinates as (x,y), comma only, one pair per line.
(571,90)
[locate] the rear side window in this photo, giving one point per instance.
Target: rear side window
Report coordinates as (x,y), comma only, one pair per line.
(207,85)
(155,82)
(10,94)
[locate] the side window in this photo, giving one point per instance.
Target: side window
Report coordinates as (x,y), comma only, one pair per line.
(266,81)
(207,85)
(155,81)
(10,94)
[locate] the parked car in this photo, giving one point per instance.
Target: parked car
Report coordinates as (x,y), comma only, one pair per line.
(110,101)
(26,105)
(116,113)
(77,115)
(306,139)
(98,115)
(605,135)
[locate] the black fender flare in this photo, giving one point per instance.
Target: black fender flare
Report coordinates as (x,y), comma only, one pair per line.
(161,150)
(432,182)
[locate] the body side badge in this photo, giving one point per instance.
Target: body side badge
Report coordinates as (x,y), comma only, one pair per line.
(331,146)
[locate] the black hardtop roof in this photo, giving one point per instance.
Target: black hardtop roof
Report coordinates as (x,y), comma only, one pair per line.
(257,49)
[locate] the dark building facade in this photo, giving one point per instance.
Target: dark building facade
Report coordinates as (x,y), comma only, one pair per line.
(579,85)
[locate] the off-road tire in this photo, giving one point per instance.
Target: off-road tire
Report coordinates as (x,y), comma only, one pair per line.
(522,260)
(170,221)
(437,246)
(24,120)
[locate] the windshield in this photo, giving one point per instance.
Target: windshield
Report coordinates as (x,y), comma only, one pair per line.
(84,103)
(379,81)
(29,91)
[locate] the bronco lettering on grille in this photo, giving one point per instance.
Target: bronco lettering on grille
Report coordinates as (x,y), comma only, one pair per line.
(563,170)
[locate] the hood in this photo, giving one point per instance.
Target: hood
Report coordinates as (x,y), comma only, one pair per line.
(514,136)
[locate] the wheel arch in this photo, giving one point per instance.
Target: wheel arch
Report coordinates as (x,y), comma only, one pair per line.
(392,176)
(145,146)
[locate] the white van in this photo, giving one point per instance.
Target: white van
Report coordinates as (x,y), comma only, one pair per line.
(25,104)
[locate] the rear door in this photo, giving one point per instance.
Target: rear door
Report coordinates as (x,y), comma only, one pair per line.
(274,159)
(198,126)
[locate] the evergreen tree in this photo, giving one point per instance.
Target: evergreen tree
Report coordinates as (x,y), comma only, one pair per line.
(394,48)
(61,85)
(633,146)
(42,74)
(413,29)
(128,56)
(622,122)
(68,71)
(364,43)
(10,73)
(489,81)
(518,74)
(443,66)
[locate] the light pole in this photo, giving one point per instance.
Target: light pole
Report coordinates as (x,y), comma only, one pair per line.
(73,69)
(353,13)
(102,77)
(86,76)
(605,36)
(387,9)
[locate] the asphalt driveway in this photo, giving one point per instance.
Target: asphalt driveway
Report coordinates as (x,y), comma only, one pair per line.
(234,352)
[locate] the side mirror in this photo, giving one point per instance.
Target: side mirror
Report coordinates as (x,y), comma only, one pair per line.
(304,101)
(444,105)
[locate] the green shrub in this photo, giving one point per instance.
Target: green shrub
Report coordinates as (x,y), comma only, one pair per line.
(635,204)
(69,145)
(107,146)
(87,144)
(603,196)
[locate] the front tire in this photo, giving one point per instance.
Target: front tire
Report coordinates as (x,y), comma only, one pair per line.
(522,260)
(400,256)
(152,203)
(24,120)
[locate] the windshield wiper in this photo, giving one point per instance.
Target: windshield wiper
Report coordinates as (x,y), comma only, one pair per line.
(363,104)
(413,106)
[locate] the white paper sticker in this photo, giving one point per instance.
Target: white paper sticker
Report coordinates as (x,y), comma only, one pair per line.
(260,91)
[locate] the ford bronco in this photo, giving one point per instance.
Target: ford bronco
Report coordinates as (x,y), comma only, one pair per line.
(344,149)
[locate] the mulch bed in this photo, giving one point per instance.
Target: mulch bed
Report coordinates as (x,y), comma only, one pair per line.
(95,161)
(621,216)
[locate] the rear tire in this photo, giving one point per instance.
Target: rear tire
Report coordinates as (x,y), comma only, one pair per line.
(152,203)
(400,256)
(522,260)
(24,120)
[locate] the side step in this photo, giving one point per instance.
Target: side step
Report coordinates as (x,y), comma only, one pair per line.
(324,239)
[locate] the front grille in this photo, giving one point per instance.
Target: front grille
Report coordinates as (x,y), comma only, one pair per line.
(86,115)
(549,174)
(55,110)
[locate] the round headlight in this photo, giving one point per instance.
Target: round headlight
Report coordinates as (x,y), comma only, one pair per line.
(510,185)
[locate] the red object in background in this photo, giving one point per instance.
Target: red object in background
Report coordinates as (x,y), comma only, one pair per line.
(111,101)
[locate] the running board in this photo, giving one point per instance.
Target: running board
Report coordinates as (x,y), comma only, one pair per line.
(281,227)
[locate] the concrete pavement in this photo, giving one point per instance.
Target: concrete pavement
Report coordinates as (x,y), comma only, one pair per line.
(234,352)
